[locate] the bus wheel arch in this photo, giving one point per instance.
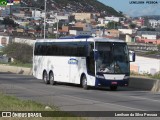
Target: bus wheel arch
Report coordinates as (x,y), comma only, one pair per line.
(51,78)
(83,81)
(45,77)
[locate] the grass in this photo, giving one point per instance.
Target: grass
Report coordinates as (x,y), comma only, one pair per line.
(151,52)
(10,103)
(27,65)
(156,76)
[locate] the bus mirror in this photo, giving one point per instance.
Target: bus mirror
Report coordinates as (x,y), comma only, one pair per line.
(132,56)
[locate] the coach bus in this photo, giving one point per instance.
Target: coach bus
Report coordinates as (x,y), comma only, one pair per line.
(80,60)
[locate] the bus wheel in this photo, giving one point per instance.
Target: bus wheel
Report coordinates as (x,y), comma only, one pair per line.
(84,83)
(51,79)
(113,88)
(45,78)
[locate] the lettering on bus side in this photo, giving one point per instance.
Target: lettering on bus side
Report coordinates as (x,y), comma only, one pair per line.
(73,61)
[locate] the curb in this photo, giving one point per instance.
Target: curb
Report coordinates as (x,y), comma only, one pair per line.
(145,83)
(14,69)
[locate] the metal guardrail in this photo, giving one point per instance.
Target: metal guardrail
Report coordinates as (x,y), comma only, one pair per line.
(142,46)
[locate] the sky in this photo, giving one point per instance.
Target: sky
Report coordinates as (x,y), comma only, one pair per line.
(134,10)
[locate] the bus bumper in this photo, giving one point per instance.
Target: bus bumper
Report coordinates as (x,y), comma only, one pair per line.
(108,83)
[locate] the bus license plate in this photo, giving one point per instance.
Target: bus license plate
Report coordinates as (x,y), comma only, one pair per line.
(114,83)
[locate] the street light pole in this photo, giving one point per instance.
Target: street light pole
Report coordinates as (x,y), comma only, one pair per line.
(57,28)
(45,19)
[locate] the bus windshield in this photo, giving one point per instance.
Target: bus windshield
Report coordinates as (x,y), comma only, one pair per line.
(112,58)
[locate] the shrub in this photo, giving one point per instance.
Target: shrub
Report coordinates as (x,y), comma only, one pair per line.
(20,52)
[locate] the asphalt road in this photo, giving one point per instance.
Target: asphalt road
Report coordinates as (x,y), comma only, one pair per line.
(74,98)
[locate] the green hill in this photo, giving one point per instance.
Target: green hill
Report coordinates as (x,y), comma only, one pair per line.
(73,6)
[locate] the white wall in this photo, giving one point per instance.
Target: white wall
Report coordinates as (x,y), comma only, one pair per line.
(36,13)
(128,38)
(88,27)
(153,37)
(22,40)
(127,31)
(154,23)
(147,65)
(19,14)
(115,19)
(75,32)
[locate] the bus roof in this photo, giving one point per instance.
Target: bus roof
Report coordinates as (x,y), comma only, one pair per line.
(92,39)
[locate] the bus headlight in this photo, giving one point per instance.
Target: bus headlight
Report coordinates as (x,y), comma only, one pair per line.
(126,77)
(100,76)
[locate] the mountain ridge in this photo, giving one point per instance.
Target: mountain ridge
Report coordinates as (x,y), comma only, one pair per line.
(72,6)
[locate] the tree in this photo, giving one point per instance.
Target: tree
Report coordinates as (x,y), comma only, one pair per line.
(20,52)
(112,25)
(132,25)
(38,28)
(7,21)
(158,46)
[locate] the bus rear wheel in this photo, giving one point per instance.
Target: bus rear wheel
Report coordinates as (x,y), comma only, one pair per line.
(45,77)
(84,83)
(51,79)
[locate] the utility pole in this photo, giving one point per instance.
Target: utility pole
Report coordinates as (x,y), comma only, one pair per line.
(57,27)
(45,19)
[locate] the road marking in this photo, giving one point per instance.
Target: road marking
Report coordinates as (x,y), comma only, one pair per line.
(145,98)
(104,103)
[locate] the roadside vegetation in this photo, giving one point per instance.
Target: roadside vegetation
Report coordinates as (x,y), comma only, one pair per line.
(156,76)
(151,52)
(9,103)
(21,54)
(27,65)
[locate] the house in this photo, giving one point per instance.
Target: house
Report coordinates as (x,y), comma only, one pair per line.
(85,26)
(154,23)
(64,18)
(83,16)
(113,32)
(102,22)
(77,32)
(127,31)
(36,13)
(4,11)
(139,22)
(112,18)
(145,38)
(130,38)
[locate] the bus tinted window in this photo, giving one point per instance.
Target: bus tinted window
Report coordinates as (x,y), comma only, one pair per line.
(60,49)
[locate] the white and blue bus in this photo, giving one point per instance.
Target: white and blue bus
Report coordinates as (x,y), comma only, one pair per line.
(83,60)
